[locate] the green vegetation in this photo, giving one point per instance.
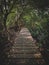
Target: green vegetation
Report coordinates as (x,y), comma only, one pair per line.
(36,24)
(11,17)
(35,16)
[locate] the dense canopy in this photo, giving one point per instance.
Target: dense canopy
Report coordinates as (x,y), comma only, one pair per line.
(33,14)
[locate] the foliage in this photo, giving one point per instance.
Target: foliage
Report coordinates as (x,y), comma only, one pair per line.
(36,24)
(35,17)
(10,19)
(39,4)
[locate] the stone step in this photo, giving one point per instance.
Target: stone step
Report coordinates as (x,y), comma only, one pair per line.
(24,46)
(14,47)
(39,61)
(27,55)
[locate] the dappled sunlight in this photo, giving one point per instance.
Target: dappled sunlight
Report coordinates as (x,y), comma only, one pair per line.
(38,55)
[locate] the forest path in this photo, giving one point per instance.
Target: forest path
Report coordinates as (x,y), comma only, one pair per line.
(25,50)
